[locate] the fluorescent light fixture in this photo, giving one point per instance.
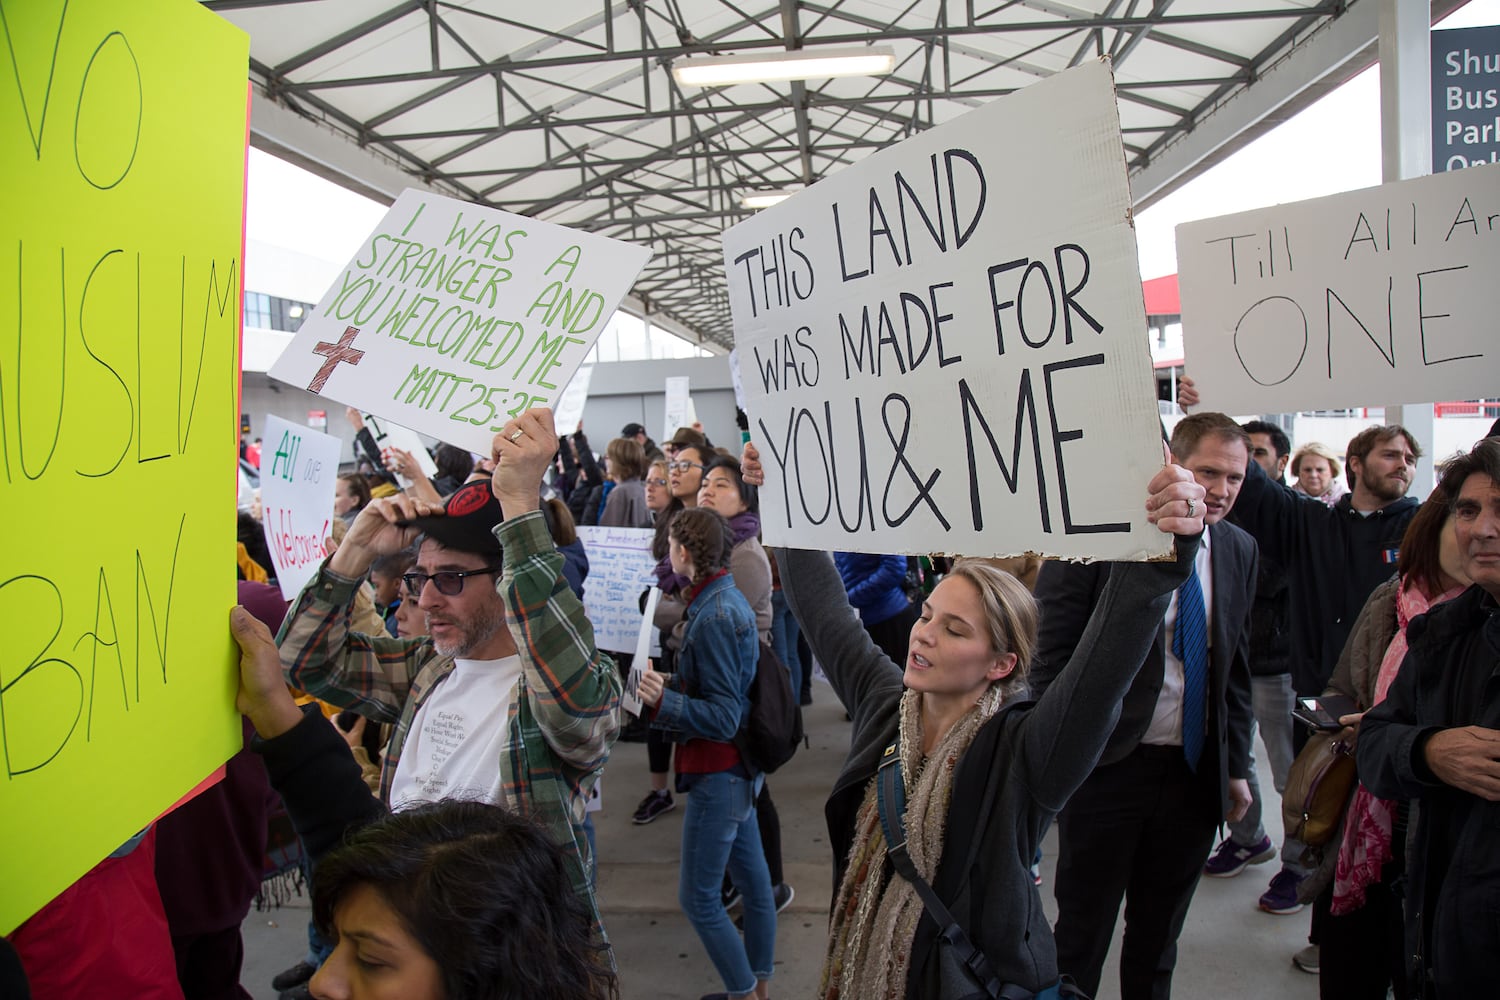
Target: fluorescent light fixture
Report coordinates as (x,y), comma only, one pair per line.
(764,199)
(799,64)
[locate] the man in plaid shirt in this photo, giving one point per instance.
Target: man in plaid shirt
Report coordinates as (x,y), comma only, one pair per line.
(507,700)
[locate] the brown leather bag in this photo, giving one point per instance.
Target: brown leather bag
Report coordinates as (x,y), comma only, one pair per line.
(1317,789)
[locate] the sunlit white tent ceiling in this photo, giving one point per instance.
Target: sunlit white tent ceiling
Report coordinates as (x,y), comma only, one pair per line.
(566,110)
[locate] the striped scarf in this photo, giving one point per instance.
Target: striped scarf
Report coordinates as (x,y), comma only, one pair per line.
(876,913)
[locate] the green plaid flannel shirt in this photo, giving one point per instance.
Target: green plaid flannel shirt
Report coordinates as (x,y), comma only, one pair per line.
(565,715)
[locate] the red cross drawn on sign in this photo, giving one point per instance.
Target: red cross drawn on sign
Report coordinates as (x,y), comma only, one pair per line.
(335,353)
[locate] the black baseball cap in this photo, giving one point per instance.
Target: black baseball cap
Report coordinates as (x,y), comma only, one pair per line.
(631,430)
(468,521)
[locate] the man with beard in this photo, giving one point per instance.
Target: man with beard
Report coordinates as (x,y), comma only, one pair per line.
(506,700)
(1334,557)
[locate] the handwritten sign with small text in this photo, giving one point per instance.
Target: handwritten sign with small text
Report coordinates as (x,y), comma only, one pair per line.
(621,568)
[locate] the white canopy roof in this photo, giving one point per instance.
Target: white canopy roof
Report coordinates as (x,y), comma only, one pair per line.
(566,110)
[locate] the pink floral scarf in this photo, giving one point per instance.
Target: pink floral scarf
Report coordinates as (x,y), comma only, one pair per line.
(1366,846)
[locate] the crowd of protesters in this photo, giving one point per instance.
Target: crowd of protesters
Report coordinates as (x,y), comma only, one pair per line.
(424,724)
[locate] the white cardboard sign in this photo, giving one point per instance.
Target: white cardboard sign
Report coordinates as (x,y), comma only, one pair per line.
(645,648)
(452,318)
(620,568)
(569,409)
(736,379)
(943,347)
(298,467)
(675,406)
(1385,295)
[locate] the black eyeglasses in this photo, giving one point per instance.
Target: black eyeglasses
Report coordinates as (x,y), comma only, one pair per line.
(449,582)
(684,465)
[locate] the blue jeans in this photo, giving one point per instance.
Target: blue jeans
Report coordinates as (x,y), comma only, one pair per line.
(784,632)
(719,831)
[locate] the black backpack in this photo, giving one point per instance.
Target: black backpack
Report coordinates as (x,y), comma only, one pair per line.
(773,727)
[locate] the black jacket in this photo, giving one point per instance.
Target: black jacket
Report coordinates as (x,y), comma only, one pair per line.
(1068,593)
(312,769)
(1020,769)
(578,492)
(1448,679)
(1334,557)
(1270,621)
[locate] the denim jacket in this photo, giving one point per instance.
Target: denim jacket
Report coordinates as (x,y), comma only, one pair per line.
(709,696)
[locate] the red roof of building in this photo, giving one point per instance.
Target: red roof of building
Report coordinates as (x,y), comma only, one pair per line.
(1162,298)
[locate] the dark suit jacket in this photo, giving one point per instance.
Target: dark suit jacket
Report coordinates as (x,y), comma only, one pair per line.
(1067,593)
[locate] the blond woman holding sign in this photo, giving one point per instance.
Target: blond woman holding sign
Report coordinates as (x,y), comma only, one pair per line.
(980,771)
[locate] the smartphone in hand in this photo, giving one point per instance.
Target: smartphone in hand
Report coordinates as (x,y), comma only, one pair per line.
(1323,713)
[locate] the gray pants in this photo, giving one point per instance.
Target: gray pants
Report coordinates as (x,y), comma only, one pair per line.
(1271,699)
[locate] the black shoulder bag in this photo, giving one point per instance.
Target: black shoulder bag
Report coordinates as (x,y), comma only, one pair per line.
(965,972)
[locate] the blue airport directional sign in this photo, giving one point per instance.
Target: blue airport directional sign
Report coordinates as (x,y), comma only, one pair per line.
(1465,97)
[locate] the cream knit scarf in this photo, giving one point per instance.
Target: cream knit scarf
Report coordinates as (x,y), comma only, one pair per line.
(874,918)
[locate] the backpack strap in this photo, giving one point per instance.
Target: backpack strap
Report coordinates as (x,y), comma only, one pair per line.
(890,796)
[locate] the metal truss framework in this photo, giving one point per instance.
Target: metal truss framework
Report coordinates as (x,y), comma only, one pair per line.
(565,110)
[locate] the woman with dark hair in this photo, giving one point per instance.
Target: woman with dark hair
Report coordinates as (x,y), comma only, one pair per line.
(703,709)
(465,896)
(984,772)
(1356,912)
(446,901)
(725,492)
(581,472)
(454,466)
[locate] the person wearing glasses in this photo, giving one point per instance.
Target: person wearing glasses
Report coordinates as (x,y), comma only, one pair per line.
(684,478)
(506,699)
(658,494)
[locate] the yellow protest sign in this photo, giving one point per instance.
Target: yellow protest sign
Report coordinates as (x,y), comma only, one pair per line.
(121,210)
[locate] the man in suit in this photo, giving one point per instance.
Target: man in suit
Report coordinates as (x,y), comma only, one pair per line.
(1141,826)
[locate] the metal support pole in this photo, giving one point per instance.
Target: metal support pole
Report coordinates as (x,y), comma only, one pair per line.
(1406,151)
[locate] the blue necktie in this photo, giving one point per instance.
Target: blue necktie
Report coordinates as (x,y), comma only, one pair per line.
(1190,645)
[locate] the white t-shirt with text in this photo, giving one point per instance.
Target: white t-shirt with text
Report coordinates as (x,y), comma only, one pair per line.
(453,749)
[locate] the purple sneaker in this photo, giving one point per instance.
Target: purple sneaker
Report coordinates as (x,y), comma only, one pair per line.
(1231,859)
(1281,897)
